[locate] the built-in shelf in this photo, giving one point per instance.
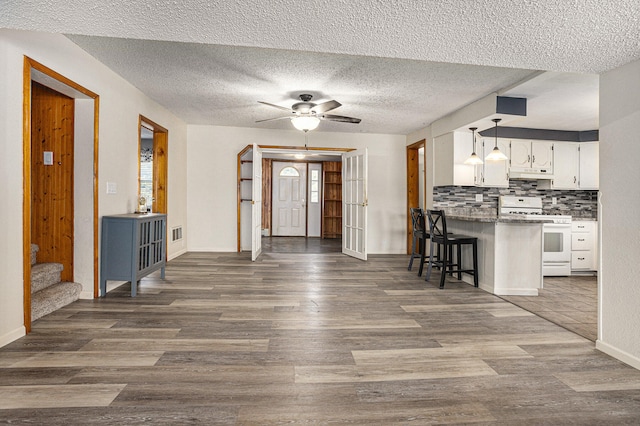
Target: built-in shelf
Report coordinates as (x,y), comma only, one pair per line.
(332,199)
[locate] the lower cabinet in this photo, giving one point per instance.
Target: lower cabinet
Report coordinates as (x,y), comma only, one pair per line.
(584,245)
(133,246)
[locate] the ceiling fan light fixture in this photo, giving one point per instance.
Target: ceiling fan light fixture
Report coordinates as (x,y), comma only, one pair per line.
(305,122)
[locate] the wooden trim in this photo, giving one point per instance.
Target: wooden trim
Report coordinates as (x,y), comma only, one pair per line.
(62,79)
(302,148)
(96,187)
(26,191)
(30,64)
(413,184)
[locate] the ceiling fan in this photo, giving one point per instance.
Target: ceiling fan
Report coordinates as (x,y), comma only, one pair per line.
(306,115)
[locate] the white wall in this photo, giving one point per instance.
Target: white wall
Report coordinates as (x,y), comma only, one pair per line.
(619,220)
(212,170)
(120,106)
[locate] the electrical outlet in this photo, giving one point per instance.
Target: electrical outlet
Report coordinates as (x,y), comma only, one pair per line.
(479,198)
(554,200)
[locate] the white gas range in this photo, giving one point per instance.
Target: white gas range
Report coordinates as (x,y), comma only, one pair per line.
(556,255)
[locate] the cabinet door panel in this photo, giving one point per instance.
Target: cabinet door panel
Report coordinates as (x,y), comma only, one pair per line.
(495,172)
(520,154)
(566,165)
(589,165)
(541,155)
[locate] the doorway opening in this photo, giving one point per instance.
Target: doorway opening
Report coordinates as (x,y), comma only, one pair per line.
(323,201)
(152,166)
(416,177)
(60,179)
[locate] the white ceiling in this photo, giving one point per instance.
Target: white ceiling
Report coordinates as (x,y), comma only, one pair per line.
(397,65)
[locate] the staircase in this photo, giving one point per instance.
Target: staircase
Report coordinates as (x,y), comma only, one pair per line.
(48,293)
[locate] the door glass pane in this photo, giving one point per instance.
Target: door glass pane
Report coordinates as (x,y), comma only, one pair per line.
(146,166)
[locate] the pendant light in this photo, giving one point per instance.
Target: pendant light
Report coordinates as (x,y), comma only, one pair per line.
(473,159)
(496,154)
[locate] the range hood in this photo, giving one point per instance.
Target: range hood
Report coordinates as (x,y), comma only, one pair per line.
(531,174)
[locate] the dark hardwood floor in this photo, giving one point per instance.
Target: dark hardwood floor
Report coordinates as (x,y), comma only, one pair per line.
(301,245)
(307,339)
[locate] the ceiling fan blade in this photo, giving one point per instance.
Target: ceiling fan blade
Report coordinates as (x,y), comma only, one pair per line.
(341,118)
(271,119)
(275,106)
(325,106)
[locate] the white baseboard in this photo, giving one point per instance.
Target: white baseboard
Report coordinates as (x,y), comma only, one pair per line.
(86,295)
(619,354)
(12,335)
(176,254)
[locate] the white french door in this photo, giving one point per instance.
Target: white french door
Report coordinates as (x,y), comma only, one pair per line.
(354,204)
(256,204)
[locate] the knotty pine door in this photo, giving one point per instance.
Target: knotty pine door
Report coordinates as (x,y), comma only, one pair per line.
(52,130)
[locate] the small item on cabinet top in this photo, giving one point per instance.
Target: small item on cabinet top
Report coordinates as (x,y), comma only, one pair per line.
(142,205)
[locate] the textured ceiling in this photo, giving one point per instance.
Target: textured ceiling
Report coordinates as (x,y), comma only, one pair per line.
(396,65)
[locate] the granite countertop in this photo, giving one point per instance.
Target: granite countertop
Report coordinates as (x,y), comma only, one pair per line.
(490,215)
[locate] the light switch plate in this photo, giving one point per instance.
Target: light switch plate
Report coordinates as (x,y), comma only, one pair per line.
(48,158)
(112,188)
(479,198)
(554,200)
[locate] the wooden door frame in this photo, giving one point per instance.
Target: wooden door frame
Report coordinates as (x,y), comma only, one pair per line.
(413,183)
(160,162)
(274,147)
(28,65)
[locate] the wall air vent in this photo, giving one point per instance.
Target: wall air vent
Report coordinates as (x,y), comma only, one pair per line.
(176,233)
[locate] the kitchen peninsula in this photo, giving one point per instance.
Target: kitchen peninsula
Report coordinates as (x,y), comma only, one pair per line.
(509,250)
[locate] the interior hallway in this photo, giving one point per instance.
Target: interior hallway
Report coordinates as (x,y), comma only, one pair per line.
(307,338)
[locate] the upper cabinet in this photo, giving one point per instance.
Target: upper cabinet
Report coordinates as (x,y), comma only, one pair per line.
(566,165)
(493,173)
(589,165)
(450,152)
(555,165)
(531,157)
(575,166)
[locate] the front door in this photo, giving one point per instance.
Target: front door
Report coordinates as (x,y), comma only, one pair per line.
(289,199)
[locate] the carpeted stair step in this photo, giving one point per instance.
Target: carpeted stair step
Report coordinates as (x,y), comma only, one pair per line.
(44,275)
(34,253)
(54,297)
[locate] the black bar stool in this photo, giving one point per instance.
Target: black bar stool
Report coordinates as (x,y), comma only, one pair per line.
(419,236)
(439,235)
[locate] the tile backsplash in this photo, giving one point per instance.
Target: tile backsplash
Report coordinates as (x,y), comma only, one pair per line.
(571,202)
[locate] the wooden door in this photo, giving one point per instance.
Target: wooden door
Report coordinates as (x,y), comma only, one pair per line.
(52,125)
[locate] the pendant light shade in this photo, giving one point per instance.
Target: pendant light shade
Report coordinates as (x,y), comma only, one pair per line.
(473,158)
(496,154)
(305,122)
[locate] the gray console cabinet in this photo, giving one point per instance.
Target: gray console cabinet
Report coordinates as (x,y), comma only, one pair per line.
(133,246)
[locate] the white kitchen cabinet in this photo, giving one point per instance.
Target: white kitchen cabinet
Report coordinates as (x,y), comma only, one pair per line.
(531,156)
(566,161)
(450,152)
(589,169)
(584,246)
(493,173)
